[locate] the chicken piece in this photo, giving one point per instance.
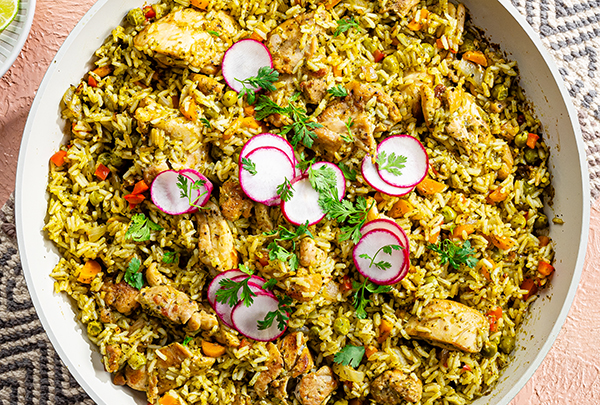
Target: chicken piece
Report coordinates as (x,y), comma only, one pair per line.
(215,240)
(136,379)
(106,315)
(225,337)
(184,34)
(241,400)
(399,7)
(154,277)
(263,219)
(121,296)
(289,46)
(119,378)
(315,88)
(233,201)
(310,254)
(112,357)
(202,320)
(279,387)
(172,355)
(507,163)
(305,287)
(274,368)
(208,85)
(290,348)
(315,388)
(394,387)
(450,325)
(304,363)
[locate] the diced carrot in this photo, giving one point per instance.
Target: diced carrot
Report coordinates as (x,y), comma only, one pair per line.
(385,329)
(475,57)
(244,343)
(493,316)
(532,140)
(439,43)
(201,4)
(378,197)
(249,110)
(59,158)
(414,25)
(545,268)
(400,209)
(486,273)
(102,172)
(92,82)
(544,240)
(134,199)
(212,349)
(501,242)
(169,399)
(256,36)
(89,271)
(329,4)
(337,71)
(189,110)
(460,230)
(378,55)
(149,12)
(262,258)
(429,186)
(103,71)
(346,283)
(434,237)
(497,195)
(250,122)
(531,287)
(370,350)
(140,187)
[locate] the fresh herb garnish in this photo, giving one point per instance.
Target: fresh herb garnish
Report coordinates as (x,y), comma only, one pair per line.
(249,166)
(346,24)
(454,254)
(228,293)
(186,188)
(391,163)
(186,341)
(215,33)
(350,356)
(269,285)
(278,252)
(304,164)
(264,79)
(382,264)
(206,122)
(246,269)
(132,276)
(281,314)
(170,257)
(349,174)
(140,227)
(360,301)
(348,137)
(285,190)
(338,91)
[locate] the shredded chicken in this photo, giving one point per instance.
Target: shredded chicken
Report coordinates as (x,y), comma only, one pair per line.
(120,296)
(233,201)
(215,239)
(274,367)
(315,388)
(393,387)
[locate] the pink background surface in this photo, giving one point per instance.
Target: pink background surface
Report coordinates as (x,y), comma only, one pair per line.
(570,374)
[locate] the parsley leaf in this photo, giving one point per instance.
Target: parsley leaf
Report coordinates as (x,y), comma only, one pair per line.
(246,269)
(454,254)
(346,24)
(391,163)
(140,227)
(344,211)
(278,252)
(269,285)
(285,190)
(132,276)
(381,265)
(186,187)
(360,301)
(281,314)
(265,107)
(170,257)
(349,174)
(338,91)
(304,164)
(350,356)
(230,290)
(206,122)
(249,166)
(186,341)
(348,137)
(264,79)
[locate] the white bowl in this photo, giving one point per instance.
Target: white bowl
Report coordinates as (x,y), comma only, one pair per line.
(13,37)
(503,25)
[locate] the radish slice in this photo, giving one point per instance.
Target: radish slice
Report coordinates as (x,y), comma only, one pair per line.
(242,60)
(214,285)
(339,176)
(224,309)
(273,167)
(245,319)
(206,188)
(416,165)
(371,176)
(268,139)
(259,281)
(167,196)
(389,225)
(370,244)
(304,204)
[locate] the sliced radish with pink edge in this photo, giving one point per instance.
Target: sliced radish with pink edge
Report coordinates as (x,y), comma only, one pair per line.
(387,224)
(372,177)
(371,244)
(268,139)
(339,177)
(272,167)
(205,190)
(245,319)
(224,309)
(167,196)
(416,165)
(243,60)
(259,281)
(214,284)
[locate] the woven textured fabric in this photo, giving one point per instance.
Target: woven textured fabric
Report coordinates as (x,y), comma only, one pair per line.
(31,371)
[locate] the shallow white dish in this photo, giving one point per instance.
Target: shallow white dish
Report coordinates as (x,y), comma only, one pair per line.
(502,24)
(14,36)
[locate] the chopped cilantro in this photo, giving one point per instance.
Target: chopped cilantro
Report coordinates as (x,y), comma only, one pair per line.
(264,79)
(360,301)
(381,265)
(249,166)
(338,91)
(454,254)
(140,227)
(350,356)
(281,314)
(391,163)
(346,24)
(132,276)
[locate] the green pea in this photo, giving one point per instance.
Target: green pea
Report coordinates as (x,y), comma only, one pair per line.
(390,64)
(342,325)
(209,112)
(500,92)
(229,98)
(507,344)
(531,156)
(428,50)
(116,160)
(137,360)
(104,158)
(136,17)
(528,189)
(521,139)
(489,350)
(96,198)
(341,402)
(449,214)
(314,331)
(369,45)
(94,328)
(135,138)
(541,222)
(518,221)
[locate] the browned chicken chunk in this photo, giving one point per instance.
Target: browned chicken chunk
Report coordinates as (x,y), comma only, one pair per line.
(310,254)
(121,296)
(393,387)
(208,85)
(305,287)
(274,368)
(399,7)
(450,325)
(233,201)
(215,239)
(113,355)
(315,388)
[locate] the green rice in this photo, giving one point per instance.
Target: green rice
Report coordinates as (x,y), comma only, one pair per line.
(103,120)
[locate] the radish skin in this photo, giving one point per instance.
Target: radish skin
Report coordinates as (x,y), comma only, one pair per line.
(273,167)
(370,244)
(388,224)
(417,161)
(268,139)
(245,319)
(242,61)
(206,189)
